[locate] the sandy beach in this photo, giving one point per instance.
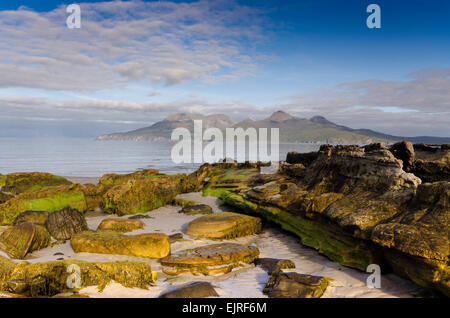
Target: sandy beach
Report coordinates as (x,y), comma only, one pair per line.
(247,281)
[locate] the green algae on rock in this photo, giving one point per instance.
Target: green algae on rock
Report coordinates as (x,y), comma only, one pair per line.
(119,225)
(210,259)
(48,200)
(23,238)
(50,278)
(224,225)
(21,182)
(149,245)
(36,217)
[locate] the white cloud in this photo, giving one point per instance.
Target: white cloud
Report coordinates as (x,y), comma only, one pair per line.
(120,41)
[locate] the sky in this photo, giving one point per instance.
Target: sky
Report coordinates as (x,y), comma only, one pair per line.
(133,63)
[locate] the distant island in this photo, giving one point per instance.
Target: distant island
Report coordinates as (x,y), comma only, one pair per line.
(292,129)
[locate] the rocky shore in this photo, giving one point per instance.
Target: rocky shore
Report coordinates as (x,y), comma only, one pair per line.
(384,205)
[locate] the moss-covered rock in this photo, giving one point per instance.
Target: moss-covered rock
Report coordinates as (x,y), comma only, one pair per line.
(20,182)
(141,195)
(183,202)
(51,278)
(120,225)
(224,225)
(153,245)
(23,238)
(210,259)
(196,209)
(5,197)
(36,217)
(113,179)
(48,200)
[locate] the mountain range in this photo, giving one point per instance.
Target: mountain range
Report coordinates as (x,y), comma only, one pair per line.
(292,129)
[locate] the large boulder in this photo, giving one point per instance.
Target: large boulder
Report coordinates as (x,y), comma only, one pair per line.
(141,195)
(120,225)
(294,285)
(63,224)
(48,200)
(24,238)
(224,225)
(210,259)
(51,278)
(20,182)
(153,245)
(113,179)
(358,205)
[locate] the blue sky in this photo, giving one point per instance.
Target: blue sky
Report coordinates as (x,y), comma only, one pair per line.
(134,62)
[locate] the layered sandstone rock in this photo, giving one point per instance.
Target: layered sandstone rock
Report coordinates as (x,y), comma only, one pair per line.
(63,224)
(358,205)
(21,182)
(120,225)
(210,259)
(223,225)
(294,285)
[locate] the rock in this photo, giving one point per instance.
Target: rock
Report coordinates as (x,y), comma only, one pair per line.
(405,152)
(113,179)
(24,238)
(18,286)
(141,195)
(50,278)
(176,237)
(94,195)
(304,159)
(5,197)
(120,225)
(63,224)
(108,242)
(210,259)
(294,285)
(192,290)
(224,225)
(48,200)
(358,206)
(36,217)
(139,216)
(273,265)
(196,209)
(21,182)
(183,202)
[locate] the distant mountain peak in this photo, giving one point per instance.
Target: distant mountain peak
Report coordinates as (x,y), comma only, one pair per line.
(320,120)
(280,116)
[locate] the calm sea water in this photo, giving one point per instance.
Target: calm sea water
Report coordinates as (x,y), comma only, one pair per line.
(91,158)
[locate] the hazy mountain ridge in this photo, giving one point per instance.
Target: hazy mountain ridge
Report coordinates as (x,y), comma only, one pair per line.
(292,129)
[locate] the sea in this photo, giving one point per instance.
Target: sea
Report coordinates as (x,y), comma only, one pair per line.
(87,157)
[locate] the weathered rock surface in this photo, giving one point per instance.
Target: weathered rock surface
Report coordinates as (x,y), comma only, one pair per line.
(153,245)
(20,182)
(24,238)
(49,200)
(120,225)
(294,285)
(210,259)
(5,197)
(223,225)
(63,224)
(192,290)
(273,265)
(50,278)
(196,209)
(176,237)
(36,217)
(358,205)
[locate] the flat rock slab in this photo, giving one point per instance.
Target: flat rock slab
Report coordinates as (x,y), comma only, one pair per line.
(274,265)
(23,238)
(196,209)
(192,290)
(210,259)
(224,225)
(149,245)
(120,225)
(295,285)
(65,223)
